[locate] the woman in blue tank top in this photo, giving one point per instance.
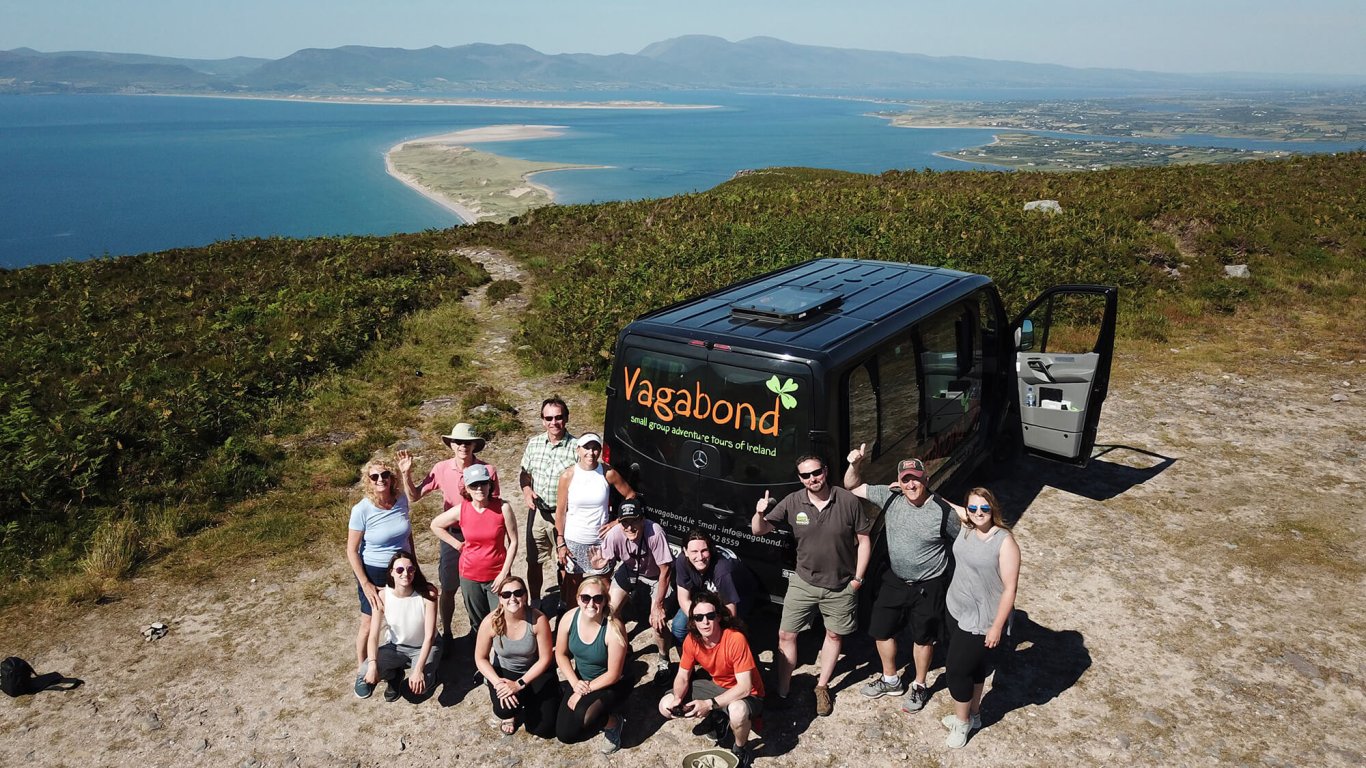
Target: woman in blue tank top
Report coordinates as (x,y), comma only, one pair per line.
(591,652)
(980,600)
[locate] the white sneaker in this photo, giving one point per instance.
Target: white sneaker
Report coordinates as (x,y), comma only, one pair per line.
(958,733)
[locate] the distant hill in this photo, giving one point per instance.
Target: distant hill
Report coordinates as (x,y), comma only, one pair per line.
(688,62)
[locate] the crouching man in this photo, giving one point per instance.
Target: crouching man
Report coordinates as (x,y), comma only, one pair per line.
(734,695)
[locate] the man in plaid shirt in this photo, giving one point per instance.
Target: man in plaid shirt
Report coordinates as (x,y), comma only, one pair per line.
(546,456)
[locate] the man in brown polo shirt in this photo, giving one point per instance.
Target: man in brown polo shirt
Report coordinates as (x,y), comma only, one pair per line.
(833,549)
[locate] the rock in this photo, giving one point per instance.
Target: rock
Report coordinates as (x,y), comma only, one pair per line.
(151,722)
(199,745)
(1155,719)
(1047,206)
(1301,665)
(1339,397)
(154,631)
(1236,270)
(1122,741)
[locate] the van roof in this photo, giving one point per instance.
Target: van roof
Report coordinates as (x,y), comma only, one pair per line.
(864,293)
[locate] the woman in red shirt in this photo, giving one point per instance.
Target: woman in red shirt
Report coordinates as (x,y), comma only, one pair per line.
(490,544)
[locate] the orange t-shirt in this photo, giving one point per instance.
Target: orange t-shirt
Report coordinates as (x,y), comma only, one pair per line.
(722,661)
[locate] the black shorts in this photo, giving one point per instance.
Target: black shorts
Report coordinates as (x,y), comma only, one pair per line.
(919,605)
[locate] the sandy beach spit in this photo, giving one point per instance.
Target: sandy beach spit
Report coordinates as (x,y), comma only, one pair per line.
(464,214)
(415,101)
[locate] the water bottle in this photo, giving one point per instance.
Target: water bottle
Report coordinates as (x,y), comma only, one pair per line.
(1029,396)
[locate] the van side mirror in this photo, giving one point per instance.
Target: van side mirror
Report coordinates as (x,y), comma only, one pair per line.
(1024,336)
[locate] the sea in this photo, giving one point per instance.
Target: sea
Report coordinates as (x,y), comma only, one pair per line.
(89,176)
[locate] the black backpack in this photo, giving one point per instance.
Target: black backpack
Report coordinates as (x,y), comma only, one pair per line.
(16,676)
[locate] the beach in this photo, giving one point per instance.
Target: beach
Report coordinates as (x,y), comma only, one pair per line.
(475,186)
(416,101)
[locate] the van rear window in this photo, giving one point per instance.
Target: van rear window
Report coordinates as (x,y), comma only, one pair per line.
(743,424)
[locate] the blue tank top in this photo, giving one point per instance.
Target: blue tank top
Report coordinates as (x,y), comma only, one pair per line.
(590,659)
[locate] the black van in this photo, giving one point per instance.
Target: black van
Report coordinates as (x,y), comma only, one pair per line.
(712,400)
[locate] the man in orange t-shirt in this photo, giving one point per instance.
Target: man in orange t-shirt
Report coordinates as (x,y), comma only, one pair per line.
(734,695)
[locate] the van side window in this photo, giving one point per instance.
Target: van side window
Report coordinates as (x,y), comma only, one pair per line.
(951,364)
(883,407)
(863,407)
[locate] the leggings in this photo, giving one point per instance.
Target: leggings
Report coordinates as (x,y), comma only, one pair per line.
(536,703)
(966,664)
(577,724)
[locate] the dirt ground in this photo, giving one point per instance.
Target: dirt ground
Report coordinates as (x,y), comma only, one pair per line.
(1193,597)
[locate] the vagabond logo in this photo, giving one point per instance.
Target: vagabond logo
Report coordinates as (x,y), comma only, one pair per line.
(669,403)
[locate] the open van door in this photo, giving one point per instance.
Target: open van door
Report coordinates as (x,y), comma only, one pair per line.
(1064,342)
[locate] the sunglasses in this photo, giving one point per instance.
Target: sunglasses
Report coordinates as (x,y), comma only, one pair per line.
(402,569)
(811,474)
(462,442)
(552,418)
(976,508)
(708,616)
(598,599)
(511,593)
(479,484)
(378,476)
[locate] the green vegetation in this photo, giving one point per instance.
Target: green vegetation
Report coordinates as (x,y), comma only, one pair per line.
(1030,151)
(134,390)
(149,399)
(501,289)
(492,187)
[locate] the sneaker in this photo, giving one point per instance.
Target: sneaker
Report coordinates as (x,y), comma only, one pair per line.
(720,730)
(611,737)
(958,733)
(880,687)
(391,693)
(920,696)
(950,720)
(363,689)
(825,704)
(745,756)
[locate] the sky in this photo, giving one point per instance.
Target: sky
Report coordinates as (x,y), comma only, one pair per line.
(1189,36)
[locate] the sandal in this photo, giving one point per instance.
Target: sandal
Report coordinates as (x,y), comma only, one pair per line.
(508,727)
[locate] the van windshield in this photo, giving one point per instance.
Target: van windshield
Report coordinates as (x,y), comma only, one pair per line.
(716,420)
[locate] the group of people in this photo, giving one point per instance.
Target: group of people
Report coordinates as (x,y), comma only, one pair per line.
(564,675)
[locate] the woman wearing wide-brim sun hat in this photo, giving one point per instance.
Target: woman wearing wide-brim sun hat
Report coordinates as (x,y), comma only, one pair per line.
(449,477)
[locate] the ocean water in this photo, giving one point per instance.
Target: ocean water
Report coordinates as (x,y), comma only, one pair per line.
(86,176)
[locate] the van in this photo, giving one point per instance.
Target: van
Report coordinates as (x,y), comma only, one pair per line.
(711,401)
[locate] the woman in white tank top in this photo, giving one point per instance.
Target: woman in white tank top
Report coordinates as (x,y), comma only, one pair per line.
(403,632)
(583,510)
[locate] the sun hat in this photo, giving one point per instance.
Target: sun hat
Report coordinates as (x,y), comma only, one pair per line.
(477,473)
(910,468)
(589,437)
(464,433)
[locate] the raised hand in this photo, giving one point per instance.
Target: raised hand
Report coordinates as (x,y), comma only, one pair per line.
(762,506)
(858,454)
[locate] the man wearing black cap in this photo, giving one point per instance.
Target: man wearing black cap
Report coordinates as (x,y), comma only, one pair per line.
(640,551)
(920,527)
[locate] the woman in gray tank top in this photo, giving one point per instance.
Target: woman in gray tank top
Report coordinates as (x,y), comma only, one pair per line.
(980,600)
(513,651)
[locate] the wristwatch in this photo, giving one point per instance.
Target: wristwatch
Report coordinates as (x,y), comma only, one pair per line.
(521,683)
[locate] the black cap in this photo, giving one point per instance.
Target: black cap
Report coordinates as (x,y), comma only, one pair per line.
(629,509)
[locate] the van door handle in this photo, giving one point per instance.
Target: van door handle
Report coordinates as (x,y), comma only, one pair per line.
(1038,366)
(721,512)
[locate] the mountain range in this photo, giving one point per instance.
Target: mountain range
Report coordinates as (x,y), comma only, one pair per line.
(688,62)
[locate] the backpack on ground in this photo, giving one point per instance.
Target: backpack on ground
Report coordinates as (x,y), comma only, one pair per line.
(16,676)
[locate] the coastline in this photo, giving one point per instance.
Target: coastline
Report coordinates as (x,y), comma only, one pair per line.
(414,101)
(503,183)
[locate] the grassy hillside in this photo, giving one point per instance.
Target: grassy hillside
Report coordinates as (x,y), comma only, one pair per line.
(140,397)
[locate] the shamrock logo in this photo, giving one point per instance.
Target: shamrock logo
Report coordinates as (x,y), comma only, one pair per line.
(782,390)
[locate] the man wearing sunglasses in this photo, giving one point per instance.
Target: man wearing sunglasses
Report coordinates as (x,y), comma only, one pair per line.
(833,549)
(545,458)
(920,531)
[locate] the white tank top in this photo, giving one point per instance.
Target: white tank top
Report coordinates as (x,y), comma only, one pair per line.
(405,618)
(586,505)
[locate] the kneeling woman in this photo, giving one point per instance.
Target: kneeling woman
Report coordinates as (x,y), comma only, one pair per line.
(591,651)
(513,652)
(980,599)
(406,616)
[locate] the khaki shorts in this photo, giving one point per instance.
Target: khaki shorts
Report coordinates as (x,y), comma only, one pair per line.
(838,608)
(540,539)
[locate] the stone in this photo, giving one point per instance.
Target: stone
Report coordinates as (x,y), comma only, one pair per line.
(1301,665)
(1236,270)
(1047,206)
(151,722)
(1339,397)
(199,745)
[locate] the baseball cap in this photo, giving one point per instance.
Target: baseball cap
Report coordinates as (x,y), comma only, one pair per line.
(910,468)
(477,473)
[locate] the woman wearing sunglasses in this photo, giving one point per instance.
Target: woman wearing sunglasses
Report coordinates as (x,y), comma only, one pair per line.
(513,652)
(980,600)
(591,652)
(379,529)
(490,542)
(406,618)
(734,695)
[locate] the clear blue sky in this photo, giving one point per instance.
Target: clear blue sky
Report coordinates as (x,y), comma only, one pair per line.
(1311,36)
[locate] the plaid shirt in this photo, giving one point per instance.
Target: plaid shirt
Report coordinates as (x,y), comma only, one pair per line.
(545,460)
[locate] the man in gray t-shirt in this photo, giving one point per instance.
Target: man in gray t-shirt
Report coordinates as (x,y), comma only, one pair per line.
(920,527)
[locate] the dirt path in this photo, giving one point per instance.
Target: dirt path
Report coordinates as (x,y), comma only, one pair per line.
(1191,598)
